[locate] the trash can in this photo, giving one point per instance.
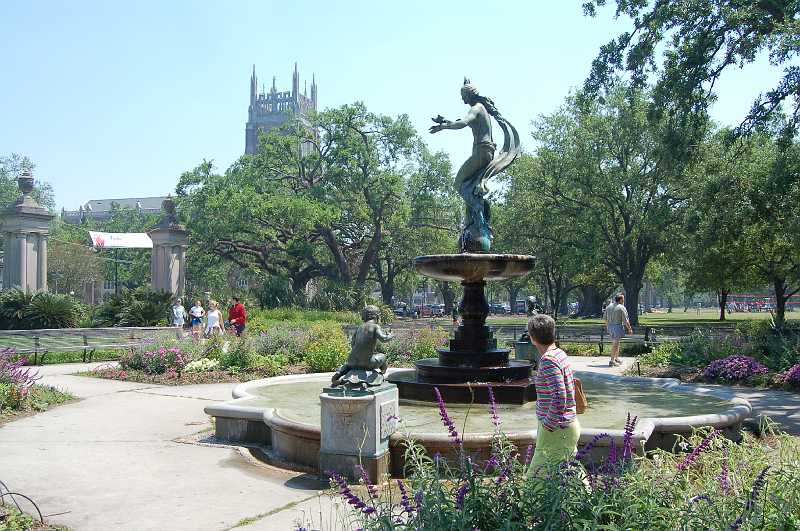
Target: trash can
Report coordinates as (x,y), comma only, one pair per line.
(524,349)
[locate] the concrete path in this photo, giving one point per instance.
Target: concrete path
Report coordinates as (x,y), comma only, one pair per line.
(124,457)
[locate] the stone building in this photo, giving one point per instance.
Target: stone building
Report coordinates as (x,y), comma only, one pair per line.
(101,209)
(270,110)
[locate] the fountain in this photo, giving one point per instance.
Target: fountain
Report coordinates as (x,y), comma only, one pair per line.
(280,415)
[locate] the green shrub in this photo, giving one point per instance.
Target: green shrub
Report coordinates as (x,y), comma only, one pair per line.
(580,349)
(633,349)
(327,348)
(23,311)
(139,307)
(235,355)
(269,365)
(412,345)
(289,341)
(662,355)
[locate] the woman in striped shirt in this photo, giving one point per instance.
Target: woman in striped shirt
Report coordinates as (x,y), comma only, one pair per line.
(558,428)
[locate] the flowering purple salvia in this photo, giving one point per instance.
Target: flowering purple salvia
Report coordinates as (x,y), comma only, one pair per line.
(583,452)
(491,465)
(699,497)
(722,478)
(627,440)
(504,474)
(699,449)
(758,484)
(405,502)
(493,407)
(348,494)
(611,460)
(446,420)
(418,498)
(437,457)
(371,488)
(16,372)
(460,494)
(528,454)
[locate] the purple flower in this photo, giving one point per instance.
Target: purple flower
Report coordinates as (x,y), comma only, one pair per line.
(348,494)
(692,457)
(722,478)
(627,440)
(373,491)
(504,474)
(734,368)
(446,420)
(405,502)
(460,494)
(791,376)
(491,465)
(611,460)
(758,484)
(493,406)
(528,454)
(16,372)
(583,452)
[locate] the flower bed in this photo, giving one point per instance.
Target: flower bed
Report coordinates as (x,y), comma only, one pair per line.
(19,393)
(713,484)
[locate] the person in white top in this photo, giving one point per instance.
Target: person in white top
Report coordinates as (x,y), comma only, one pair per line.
(213,320)
(178,314)
(197,313)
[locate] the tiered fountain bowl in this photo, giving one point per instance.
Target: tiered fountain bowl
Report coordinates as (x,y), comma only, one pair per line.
(473,359)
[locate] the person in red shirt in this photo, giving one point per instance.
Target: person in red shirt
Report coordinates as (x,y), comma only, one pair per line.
(237,316)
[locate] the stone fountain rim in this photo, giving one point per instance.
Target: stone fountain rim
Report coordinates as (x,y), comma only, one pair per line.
(739,411)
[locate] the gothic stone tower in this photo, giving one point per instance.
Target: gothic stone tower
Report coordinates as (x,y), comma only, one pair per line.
(273,109)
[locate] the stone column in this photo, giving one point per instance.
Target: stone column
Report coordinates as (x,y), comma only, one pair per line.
(25,226)
(355,430)
(167,263)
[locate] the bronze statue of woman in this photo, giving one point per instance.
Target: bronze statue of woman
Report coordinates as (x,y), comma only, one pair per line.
(476,234)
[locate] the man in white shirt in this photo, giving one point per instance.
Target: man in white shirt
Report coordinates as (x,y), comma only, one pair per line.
(616,322)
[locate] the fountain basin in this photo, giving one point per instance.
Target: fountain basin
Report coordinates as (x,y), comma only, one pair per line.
(281,416)
(473,267)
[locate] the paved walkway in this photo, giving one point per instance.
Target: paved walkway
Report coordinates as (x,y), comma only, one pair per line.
(122,458)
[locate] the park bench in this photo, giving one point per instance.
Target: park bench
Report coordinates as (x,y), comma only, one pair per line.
(37,344)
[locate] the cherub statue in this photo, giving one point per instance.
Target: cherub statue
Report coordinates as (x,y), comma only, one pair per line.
(364,368)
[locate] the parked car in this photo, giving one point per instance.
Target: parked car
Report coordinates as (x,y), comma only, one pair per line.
(497,308)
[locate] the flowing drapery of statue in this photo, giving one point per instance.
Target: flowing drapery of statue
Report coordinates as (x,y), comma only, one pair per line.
(483,164)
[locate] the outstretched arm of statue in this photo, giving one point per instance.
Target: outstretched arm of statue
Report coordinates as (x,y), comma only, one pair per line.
(447,124)
(383,336)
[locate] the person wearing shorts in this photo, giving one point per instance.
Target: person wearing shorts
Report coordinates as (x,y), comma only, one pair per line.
(196,314)
(237,316)
(617,322)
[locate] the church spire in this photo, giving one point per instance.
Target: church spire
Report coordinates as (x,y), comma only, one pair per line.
(253,86)
(295,82)
(313,91)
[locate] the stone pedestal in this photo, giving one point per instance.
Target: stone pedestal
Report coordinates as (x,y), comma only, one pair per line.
(168,261)
(355,430)
(25,227)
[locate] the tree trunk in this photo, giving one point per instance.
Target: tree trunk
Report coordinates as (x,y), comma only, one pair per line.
(780,302)
(722,299)
(632,288)
(513,291)
(591,301)
(448,296)
(387,292)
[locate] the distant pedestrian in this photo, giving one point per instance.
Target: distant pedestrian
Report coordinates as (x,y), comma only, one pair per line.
(237,316)
(455,315)
(179,314)
(213,320)
(617,323)
(196,314)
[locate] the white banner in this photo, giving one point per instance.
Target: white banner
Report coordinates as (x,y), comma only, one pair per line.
(120,240)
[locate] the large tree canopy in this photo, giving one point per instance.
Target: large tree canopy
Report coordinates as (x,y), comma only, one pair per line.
(685,46)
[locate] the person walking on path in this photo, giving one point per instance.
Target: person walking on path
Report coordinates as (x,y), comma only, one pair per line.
(237,316)
(179,315)
(558,427)
(455,315)
(617,323)
(196,314)
(213,320)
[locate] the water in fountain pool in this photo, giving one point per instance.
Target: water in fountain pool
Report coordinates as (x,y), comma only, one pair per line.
(609,404)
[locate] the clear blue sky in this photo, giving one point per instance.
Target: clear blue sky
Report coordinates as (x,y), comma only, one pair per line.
(116,99)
